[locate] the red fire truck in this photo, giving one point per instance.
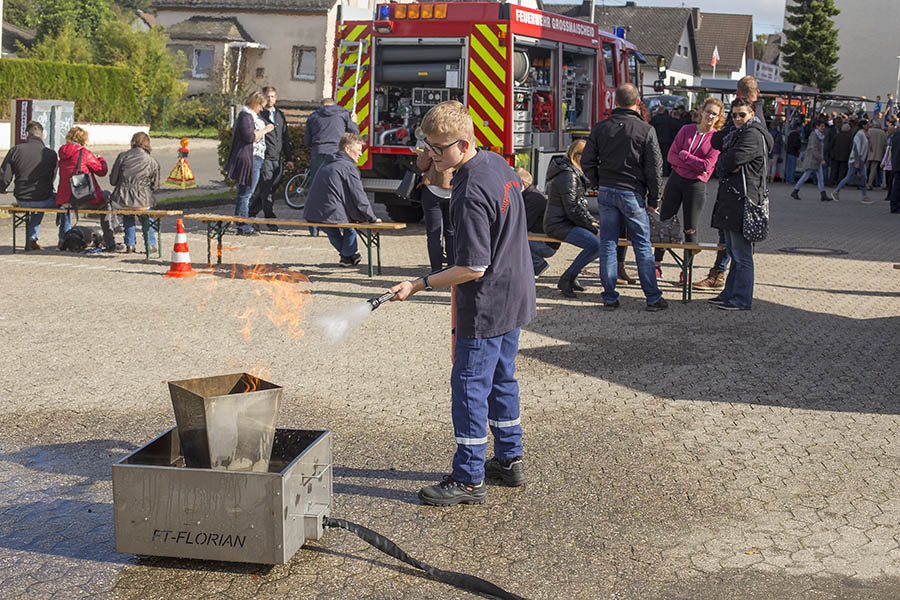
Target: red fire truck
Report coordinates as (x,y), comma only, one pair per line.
(532,81)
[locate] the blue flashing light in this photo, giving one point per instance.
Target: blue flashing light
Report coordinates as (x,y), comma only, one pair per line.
(384,12)
(620,32)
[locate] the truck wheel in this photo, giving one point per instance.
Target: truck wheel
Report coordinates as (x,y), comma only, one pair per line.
(405,213)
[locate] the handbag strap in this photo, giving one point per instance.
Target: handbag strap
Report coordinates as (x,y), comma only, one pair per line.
(78,166)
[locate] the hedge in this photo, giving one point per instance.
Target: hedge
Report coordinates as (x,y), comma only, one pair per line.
(101,94)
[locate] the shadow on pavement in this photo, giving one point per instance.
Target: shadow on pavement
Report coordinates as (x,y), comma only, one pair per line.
(774,355)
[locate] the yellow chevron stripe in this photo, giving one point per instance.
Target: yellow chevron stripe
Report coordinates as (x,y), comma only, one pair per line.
(489,60)
(482,78)
(485,106)
(492,38)
(363,158)
(486,134)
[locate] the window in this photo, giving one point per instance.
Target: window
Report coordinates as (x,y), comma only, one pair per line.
(201,63)
(304,64)
(609,65)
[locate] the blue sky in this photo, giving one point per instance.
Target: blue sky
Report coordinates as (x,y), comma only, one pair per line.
(768,15)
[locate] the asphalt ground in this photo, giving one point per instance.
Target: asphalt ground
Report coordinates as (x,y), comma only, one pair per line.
(688,454)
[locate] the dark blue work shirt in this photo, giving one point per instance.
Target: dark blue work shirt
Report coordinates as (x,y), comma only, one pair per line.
(488,215)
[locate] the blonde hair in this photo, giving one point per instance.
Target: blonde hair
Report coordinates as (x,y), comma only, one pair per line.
(575,150)
(748,87)
(450,119)
(715,102)
(77,135)
(525,176)
(255,99)
(141,139)
(349,139)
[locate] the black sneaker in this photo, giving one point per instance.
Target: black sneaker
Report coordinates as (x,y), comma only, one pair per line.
(610,305)
(660,304)
(729,306)
(272,227)
(450,492)
(345,261)
(511,472)
(717,301)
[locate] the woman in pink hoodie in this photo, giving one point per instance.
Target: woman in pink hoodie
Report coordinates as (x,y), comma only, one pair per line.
(693,161)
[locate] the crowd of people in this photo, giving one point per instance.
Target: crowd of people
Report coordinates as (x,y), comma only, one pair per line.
(34,169)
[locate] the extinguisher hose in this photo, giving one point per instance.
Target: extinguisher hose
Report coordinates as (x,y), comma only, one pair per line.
(462,581)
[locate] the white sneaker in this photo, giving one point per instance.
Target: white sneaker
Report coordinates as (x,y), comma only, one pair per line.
(866,200)
(836,196)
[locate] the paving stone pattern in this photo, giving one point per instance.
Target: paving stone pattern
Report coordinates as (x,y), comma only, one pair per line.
(687,454)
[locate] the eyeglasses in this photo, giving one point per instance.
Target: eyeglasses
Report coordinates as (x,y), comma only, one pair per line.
(439,150)
(741,115)
(709,113)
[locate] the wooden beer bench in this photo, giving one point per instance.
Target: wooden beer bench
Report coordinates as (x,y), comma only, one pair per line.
(218,225)
(149,218)
(685,261)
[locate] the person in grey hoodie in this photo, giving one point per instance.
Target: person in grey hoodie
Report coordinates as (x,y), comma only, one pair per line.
(135,175)
(859,154)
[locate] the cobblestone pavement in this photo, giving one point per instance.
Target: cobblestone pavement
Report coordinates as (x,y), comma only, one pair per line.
(687,454)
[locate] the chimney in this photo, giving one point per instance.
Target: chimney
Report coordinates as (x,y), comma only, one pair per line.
(630,4)
(696,18)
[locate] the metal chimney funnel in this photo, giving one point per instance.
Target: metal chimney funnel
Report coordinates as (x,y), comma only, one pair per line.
(226,422)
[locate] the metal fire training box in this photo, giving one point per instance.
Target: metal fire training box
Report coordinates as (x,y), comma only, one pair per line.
(163,508)
(224,484)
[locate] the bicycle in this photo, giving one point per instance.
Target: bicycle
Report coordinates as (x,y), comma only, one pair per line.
(296,189)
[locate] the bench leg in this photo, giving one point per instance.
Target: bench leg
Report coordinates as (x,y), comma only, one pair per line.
(145,230)
(366,236)
(15,222)
(377,236)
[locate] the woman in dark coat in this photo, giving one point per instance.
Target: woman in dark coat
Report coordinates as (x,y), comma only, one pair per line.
(567,217)
(741,162)
(245,159)
(135,175)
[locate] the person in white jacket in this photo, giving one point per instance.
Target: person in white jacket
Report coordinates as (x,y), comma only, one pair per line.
(859,154)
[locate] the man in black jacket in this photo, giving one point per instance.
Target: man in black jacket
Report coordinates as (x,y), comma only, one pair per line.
(894,195)
(33,166)
(622,159)
(337,196)
(277,143)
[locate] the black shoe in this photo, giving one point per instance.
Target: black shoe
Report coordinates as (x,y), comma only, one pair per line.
(795,195)
(350,261)
(565,285)
(660,304)
(272,227)
(450,492)
(824,197)
(577,286)
(511,472)
(717,302)
(610,305)
(541,269)
(729,306)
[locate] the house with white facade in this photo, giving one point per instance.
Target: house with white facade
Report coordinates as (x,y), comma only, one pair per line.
(232,46)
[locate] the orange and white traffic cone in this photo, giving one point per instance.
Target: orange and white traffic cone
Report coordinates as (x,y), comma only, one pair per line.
(181,258)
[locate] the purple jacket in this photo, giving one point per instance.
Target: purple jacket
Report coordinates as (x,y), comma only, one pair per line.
(239,166)
(692,153)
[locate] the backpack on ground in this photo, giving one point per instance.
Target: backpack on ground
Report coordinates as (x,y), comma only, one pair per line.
(81,237)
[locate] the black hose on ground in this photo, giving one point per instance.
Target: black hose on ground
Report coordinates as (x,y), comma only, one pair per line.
(462,581)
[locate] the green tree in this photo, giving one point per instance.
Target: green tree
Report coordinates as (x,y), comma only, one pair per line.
(66,46)
(21,13)
(811,50)
(759,45)
(84,16)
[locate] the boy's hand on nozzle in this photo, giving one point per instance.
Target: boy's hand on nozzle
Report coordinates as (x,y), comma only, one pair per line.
(403,290)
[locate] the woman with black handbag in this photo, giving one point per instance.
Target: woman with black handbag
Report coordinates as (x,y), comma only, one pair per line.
(567,217)
(78,187)
(742,179)
(693,161)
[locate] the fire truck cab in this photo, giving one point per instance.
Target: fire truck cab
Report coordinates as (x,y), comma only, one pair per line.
(532,81)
